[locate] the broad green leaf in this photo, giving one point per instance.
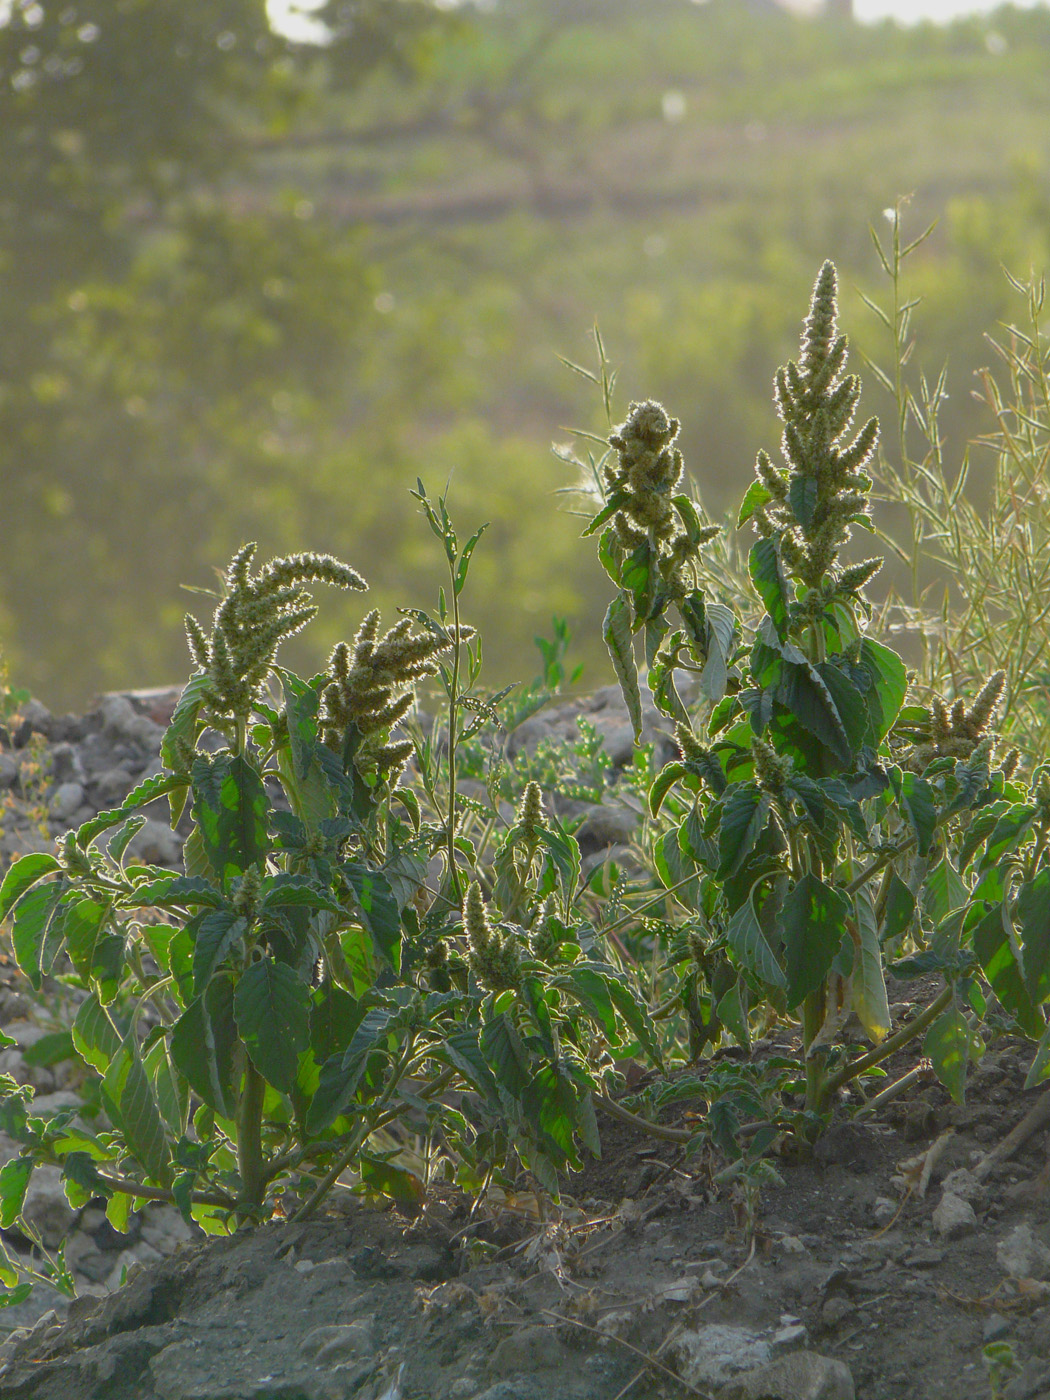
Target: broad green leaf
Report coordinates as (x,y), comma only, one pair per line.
(731,1010)
(288,891)
(203,1044)
(272,1009)
(170,1088)
(944,890)
(218,933)
(388,1179)
(803,494)
(184,725)
(664,781)
(463,1052)
(134,1110)
(16,1295)
(34,914)
(125,834)
(889,677)
(868,983)
(616,630)
(231,809)
(917,798)
(803,692)
(82,922)
(1011,827)
(334,1016)
(14,1182)
(636,1016)
(813,924)
(508,1059)
(616,502)
(1032,921)
(378,908)
(178,891)
(591,989)
(341,1073)
(721,634)
(745,809)
(763,564)
(747,939)
(899,909)
(844,685)
(947,1045)
(50,1049)
(95,1036)
(673,865)
(1040,1066)
(22,876)
(996,956)
(563,855)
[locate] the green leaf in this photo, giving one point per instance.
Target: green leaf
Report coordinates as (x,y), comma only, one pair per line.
(341,1073)
(82,922)
(636,1016)
(804,693)
(1040,1066)
(899,909)
(756,495)
(508,1059)
(664,781)
(22,876)
(591,989)
(156,785)
(763,564)
(889,677)
(184,725)
(868,984)
(745,809)
(616,631)
(14,1182)
(378,908)
(218,933)
(747,939)
(464,560)
(125,834)
(944,890)
(134,1110)
(272,1009)
(291,891)
(616,502)
(203,1045)
(231,809)
(721,634)
(178,891)
(95,1036)
(917,798)
(50,1049)
(947,1045)
(563,853)
(1032,921)
(813,923)
(803,494)
(1009,829)
(388,1179)
(33,916)
(996,955)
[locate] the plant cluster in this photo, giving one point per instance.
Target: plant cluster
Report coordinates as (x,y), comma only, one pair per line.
(357,942)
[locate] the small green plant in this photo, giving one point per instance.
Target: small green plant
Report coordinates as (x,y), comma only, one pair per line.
(1000,1364)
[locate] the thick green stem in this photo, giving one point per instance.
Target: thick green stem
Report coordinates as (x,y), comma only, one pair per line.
(249,1138)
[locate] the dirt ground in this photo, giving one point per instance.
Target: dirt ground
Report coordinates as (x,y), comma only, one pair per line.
(647,1280)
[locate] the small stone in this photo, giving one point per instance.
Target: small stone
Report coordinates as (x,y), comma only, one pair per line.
(996,1328)
(836,1310)
(716,1353)
(925,1256)
(156,844)
(530,1349)
(65,800)
(113,785)
(1021,1255)
(786,1337)
(805,1375)
(954,1217)
(64,764)
(9,770)
(884,1210)
(964,1184)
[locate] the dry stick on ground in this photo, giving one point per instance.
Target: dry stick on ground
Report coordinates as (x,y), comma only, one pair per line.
(1037,1117)
(649,1360)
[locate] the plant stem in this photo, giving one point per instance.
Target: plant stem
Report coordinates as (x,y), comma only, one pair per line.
(159,1193)
(249,1137)
(453,707)
(813,1011)
(891,1046)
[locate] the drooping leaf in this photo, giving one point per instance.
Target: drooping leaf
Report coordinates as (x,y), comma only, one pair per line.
(944,890)
(889,677)
(271,1006)
(178,891)
(185,725)
(379,909)
(996,955)
(203,1044)
(917,798)
(756,495)
(947,1045)
(763,565)
(616,631)
(220,931)
(156,785)
(341,1073)
(745,809)
(34,914)
(133,1108)
(95,1036)
(898,909)
(1032,921)
(813,924)
(868,982)
(746,937)
(721,634)
(14,1182)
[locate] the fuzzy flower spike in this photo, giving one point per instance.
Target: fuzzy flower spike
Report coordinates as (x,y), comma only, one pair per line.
(811,503)
(255,616)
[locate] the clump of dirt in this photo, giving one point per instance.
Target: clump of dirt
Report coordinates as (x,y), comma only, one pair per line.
(880,1269)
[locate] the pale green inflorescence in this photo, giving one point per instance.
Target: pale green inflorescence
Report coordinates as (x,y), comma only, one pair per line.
(493,956)
(255,616)
(814,499)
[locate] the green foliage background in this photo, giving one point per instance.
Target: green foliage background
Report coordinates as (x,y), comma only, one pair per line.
(253,289)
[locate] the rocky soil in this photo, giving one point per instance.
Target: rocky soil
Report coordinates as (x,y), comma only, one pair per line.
(882,1267)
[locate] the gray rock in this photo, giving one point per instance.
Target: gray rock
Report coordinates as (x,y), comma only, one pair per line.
(1021,1255)
(156,844)
(805,1375)
(112,785)
(121,721)
(65,765)
(46,1207)
(996,1328)
(717,1353)
(65,800)
(530,1349)
(164,1228)
(611,824)
(9,770)
(954,1217)
(518,1389)
(330,1346)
